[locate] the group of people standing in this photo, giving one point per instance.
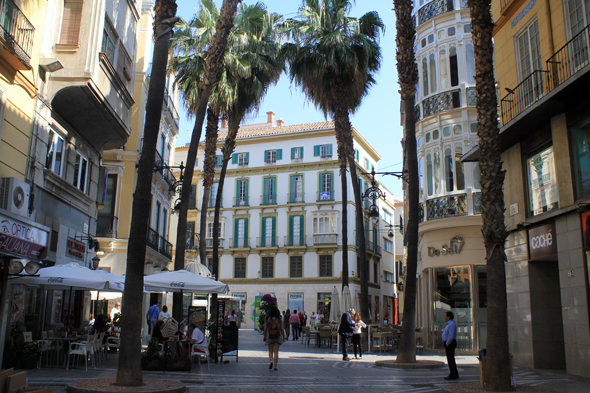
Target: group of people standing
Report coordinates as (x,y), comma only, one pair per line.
(296,321)
(351,326)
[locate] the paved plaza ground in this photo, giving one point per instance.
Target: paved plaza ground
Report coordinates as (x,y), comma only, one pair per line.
(303,369)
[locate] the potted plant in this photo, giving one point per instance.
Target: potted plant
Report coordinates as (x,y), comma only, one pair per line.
(151,358)
(29,354)
(10,356)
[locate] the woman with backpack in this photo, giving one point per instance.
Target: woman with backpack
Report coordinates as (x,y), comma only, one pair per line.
(274,335)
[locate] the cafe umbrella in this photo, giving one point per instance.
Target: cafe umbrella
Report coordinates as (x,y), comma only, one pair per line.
(183,281)
(335,313)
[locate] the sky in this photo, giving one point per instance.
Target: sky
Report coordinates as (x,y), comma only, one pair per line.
(378,118)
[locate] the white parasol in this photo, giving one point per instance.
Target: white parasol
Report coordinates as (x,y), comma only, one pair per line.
(346,300)
(335,313)
(182,280)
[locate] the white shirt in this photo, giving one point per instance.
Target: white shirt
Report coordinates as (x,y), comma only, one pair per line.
(199,337)
(114,311)
(165,314)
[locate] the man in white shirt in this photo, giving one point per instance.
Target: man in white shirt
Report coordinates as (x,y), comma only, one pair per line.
(115,310)
(197,337)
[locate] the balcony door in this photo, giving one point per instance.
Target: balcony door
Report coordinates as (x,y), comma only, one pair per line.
(106,225)
(579,19)
(529,59)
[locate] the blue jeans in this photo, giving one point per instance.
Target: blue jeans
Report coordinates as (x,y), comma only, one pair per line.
(295,330)
(344,340)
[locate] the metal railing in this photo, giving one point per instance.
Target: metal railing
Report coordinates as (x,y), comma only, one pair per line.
(442,102)
(325,239)
(324,196)
(158,243)
(476,202)
(504,3)
(209,243)
(240,202)
(529,91)
(192,241)
(447,206)
(374,248)
(212,202)
(268,199)
(570,58)
(417,112)
(296,197)
(433,9)
(471,96)
(166,173)
(106,226)
(421,212)
(239,243)
(170,107)
(165,248)
(267,241)
(294,241)
(16,29)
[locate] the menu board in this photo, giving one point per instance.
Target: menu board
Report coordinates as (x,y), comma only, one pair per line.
(230,342)
(198,316)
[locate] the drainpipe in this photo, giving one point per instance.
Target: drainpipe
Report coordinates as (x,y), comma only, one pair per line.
(549,27)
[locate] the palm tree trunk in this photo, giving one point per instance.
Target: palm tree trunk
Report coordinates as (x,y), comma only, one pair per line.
(492,198)
(129,367)
(407,71)
(213,66)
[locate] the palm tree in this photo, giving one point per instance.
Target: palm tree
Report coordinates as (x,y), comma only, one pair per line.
(212,67)
(333,59)
(129,368)
(492,197)
(407,71)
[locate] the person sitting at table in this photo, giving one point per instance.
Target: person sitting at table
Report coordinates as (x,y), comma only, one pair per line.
(101,324)
(196,337)
(157,332)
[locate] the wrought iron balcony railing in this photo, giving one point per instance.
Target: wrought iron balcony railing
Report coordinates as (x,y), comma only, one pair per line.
(325,196)
(476,202)
(433,9)
(268,199)
(417,112)
(170,107)
(295,197)
(165,248)
(158,243)
(240,202)
(16,29)
(192,241)
(374,248)
(239,242)
(106,226)
(447,206)
(569,59)
(442,102)
(529,91)
(267,241)
(325,239)
(209,243)
(166,173)
(294,241)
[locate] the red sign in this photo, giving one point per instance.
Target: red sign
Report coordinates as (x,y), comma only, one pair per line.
(76,249)
(14,245)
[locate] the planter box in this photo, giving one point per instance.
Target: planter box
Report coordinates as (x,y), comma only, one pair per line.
(178,364)
(158,364)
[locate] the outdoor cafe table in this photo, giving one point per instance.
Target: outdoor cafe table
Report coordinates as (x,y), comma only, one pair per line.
(66,341)
(369,336)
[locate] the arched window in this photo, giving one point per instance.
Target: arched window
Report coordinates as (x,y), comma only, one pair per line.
(425,76)
(437,176)
(429,173)
(470,64)
(442,64)
(476,176)
(454,70)
(449,169)
(459,168)
(432,73)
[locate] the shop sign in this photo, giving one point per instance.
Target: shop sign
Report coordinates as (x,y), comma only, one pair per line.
(295,296)
(456,246)
(19,238)
(542,241)
(76,249)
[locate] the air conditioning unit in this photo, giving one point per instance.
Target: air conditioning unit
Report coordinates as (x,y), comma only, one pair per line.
(14,195)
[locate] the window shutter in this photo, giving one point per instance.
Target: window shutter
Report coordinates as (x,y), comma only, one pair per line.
(301,156)
(192,200)
(220,160)
(301,230)
(291,227)
(70,25)
(247,157)
(246,190)
(238,187)
(331,186)
(356,154)
(266,156)
(293,189)
(279,154)
(274,190)
(329,150)
(265,196)
(236,230)
(263,234)
(316,150)
(321,187)
(292,153)
(274,231)
(246,231)
(234,158)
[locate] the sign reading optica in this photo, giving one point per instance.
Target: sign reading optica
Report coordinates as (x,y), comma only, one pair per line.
(542,241)
(19,238)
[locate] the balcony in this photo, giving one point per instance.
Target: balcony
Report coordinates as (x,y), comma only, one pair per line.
(268,199)
(296,197)
(209,243)
(239,243)
(441,102)
(325,239)
(166,173)
(434,9)
(292,241)
(106,226)
(170,109)
(267,241)
(373,247)
(325,196)
(158,243)
(450,206)
(192,241)
(237,202)
(17,32)
(529,91)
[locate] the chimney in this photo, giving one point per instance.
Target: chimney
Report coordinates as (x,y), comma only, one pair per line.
(224,122)
(280,122)
(270,117)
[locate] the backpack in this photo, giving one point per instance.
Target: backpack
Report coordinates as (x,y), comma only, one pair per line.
(273,330)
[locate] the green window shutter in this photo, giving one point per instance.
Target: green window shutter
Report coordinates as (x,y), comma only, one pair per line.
(292,153)
(247,157)
(321,185)
(293,189)
(301,152)
(301,230)
(236,227)
(263,234)
(274,231)
(246,191)
(266,156)
(329,150)
(192,202)
(265,196)
(274,190)
(219,159)
(291,226)
(356,154)
(279,154)
(316,151)
(331,186)
(238,186)
(234,158)
(246,231)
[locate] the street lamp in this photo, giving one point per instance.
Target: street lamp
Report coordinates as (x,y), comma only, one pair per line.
(95,262)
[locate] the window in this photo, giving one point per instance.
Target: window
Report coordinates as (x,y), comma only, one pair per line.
(219,160)
(54,241)
(459,168)
(470,63)
(240,268)
(425,76)
(541,182)
(430,38)
(70,25)
(80,172)
(449,169)
(241,233)
(577,9)
(443,70)
(242,159)
(457,129)
(326,266)
(367,201)
(55,153)
(476,176)
(106,222)
(432,73)
(387,276)
(190,235)
(423,42)
(324,302)
(420,175)
(213,194)
(220,228)
(124,66)
(295,266)
(387,216)
(357,154)
(157,220)
(441,34)
(580,138)
(271,156)
(325,227)
(296,231)
(529,60)
(447,131)
(388,245)
(429,174)
(473,128)
(451,31)
(437,169)
(296,153)
(267,267)
(326,187)
(434,135)
(164,222)
(376,272)
(109,41)
(241,193)
(467,29)
(453,67)
(268,236)
(269,196)
(419,142)
(296,189)
(322,151)
(192,202)
(428,137)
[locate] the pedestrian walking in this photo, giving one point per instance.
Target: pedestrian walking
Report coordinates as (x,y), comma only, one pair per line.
(312,320)
(345,330)
(274,335)
(294,321)
(301,321)
(152,316)
(304,319)
(286,324)
(449,337)
(357,334)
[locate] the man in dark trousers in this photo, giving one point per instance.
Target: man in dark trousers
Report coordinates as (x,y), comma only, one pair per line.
(449,337)
(345,330)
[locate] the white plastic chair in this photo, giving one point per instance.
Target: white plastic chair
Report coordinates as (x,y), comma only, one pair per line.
(79,348)
(113,342)
(199,354)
